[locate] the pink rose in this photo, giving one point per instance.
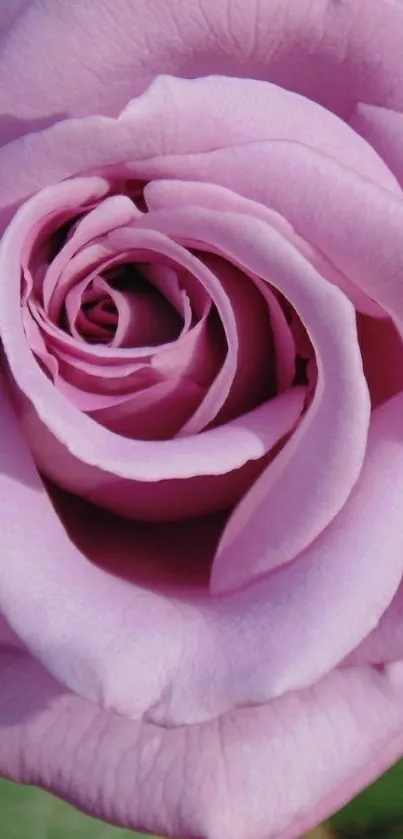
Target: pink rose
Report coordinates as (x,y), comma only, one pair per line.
(201,480)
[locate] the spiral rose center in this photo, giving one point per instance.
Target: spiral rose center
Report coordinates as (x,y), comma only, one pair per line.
(156,336)
(120,307)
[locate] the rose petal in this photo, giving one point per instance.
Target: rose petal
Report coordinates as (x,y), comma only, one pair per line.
(326,573)
(382,355)
(325,744)
(114,211)
(20,477)
(208,655)
(156,413)
(283,341)
(36,386)
(163,194)
(138,134)
(105,392)
(255,351)
(237,111)
(111,362)
(8,14)
(37,344)
(220,290)
(382,128)
(236,448)
(385,643)
(33,212)
(118,210)
(299,608)
(166,194)
(53,633)
(142,316)
(7,636)
(55,291)
(327,51)
(371,258)
(291,484)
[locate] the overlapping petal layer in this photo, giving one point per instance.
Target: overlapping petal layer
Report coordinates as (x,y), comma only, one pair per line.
(197,338)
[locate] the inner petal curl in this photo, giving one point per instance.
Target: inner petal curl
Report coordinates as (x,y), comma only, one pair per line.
(185,362)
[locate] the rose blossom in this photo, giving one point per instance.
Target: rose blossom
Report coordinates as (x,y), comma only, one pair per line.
(201,311)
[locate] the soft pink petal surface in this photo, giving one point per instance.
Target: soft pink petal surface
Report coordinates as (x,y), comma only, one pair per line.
(289,487)
(208,656)
(383,128)
(371,258)
(258,773)
(385,642)
(336,53)
(8,14)
(237,111)
(157,123)
(186,481)
(273,770)
(165,194)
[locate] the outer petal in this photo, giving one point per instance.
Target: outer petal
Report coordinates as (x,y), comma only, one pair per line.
(100,54)
(385,643)
(8,15)
(158,123)
(286,630)
(371,258)
(209,655)
(165,194)
(266,773)
(236,111)
(383,128)
(97,657)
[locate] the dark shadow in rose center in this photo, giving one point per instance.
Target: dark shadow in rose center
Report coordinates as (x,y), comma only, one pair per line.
(166,556)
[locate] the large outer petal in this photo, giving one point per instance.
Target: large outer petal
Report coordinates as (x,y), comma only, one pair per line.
(164,194)
(363,241)
(235,111)
(383,128)
(162,122)
(385,642)
(263,773)
(97,632)
(8,15)
(93,57)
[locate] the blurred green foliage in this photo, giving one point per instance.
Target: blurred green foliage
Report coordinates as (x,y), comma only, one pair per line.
(377,813)
(30,813)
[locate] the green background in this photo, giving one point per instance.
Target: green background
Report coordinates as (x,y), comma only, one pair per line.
(29,813)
